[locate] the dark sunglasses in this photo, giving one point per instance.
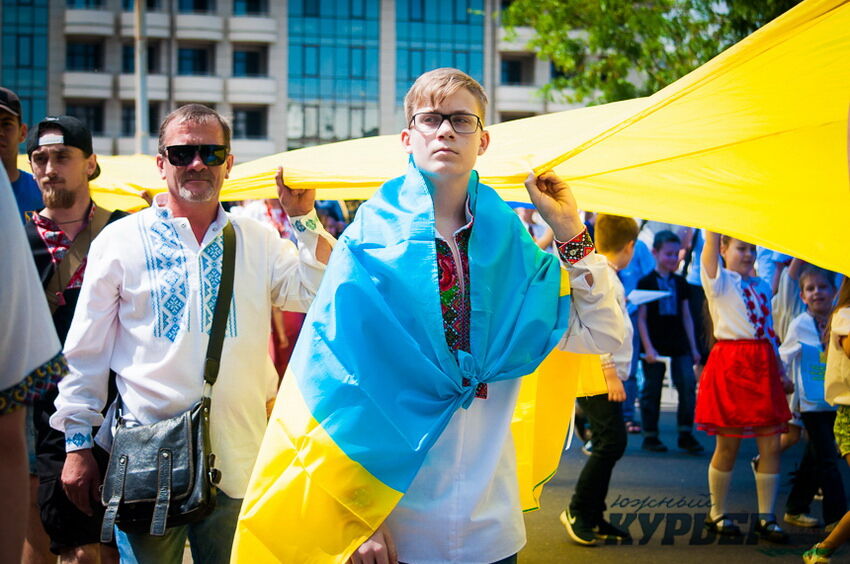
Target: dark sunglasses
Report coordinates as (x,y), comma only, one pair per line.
(183,155)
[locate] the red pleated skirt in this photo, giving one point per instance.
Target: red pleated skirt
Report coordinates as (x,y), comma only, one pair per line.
(740,392)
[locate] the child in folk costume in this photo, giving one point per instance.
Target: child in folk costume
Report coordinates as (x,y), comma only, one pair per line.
(742,392)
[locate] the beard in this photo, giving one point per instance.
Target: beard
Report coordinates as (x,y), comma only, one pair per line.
(58,198)
(206,195)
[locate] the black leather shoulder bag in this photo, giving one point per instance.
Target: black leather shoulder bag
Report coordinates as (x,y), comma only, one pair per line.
(162,475)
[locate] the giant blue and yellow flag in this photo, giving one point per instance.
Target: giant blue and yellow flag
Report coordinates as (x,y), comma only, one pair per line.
(372,382)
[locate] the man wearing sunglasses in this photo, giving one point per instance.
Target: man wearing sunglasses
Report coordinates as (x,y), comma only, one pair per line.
(146,311)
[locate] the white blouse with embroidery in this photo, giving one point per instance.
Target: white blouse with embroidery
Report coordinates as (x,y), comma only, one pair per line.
(145,311)
(739,307)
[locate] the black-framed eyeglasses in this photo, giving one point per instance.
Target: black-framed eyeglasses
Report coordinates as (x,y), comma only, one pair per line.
(429,122)
(183,155)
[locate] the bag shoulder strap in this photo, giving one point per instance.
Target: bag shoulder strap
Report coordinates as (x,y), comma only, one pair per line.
(222,306)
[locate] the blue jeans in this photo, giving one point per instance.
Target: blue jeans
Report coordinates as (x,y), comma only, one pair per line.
(682,368)
(210,540)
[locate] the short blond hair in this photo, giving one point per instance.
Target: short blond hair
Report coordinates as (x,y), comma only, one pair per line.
(436,85)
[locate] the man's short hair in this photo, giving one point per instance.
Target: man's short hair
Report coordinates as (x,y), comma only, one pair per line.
(614,232)
(664,237)
(434,86)
(196,113)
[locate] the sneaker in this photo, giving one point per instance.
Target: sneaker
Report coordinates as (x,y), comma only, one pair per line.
(819,495)
(652,444)
(771,531)
(817,555)
(723,526)
(689,443)
(801,520)
(587,448)
(578,528)
(754,466)
(605,530)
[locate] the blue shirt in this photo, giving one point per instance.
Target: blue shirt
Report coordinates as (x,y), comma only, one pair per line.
(27,194)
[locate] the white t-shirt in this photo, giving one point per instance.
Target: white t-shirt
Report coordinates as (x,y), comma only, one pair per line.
(837,380)
(801,353)
(28,338)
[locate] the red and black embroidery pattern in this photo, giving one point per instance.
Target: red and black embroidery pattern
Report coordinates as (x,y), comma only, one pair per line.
(454,295)
(758,311)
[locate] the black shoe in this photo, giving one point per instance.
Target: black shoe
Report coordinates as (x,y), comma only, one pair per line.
(652,444)
(578,528)
(689,443)
(771,531)
(605,530)
(723,526)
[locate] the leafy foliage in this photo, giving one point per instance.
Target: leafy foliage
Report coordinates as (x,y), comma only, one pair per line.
(609,50)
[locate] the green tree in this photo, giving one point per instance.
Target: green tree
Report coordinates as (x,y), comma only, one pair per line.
(609,50)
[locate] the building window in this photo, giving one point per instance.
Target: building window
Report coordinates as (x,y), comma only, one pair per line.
(444,33)
(518,70)
(130,5)
(90,113)
(311,60)
(194,61)
(417,10)
(250,7)
(250,61)
(84,4)
(358,9)
(84,56)
(128,58)
(128,119)
(249,123)
(196,6)
(461,11)
(312,8)
(358,62)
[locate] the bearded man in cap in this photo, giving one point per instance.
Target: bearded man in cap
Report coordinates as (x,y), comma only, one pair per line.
(63,163)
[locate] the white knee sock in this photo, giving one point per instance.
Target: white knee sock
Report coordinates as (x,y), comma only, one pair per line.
(767,486)
(718,486)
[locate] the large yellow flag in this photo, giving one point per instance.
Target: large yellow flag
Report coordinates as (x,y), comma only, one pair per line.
(754,144)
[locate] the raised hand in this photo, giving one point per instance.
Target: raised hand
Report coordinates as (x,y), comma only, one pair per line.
(294,202)
(554,199)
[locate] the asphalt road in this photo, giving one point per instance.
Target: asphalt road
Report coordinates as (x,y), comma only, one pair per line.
(663,499)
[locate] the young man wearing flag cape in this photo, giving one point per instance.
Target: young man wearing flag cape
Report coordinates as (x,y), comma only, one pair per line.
(391,440)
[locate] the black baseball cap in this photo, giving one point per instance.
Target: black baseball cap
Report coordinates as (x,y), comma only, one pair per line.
(10,102)
(74,134)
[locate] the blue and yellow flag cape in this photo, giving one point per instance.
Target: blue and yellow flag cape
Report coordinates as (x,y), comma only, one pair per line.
(372,382)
